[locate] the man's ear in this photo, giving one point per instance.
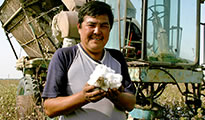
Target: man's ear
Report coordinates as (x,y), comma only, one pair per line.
(78,26)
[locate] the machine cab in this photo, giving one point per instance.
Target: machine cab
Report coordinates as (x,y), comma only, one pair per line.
(171,32)
(168,34)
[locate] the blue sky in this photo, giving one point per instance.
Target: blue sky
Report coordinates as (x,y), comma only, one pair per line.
(8,60)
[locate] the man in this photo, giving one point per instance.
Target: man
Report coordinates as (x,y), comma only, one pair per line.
(67,93)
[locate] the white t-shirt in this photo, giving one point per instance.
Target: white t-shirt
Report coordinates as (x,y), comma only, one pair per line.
(69,71)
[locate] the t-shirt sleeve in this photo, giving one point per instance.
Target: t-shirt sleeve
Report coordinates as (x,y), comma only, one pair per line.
(56,73)
(56,80)
(126,82)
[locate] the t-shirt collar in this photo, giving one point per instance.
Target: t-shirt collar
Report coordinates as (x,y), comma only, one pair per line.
(98,61)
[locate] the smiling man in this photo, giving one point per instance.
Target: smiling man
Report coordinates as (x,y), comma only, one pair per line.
(94,33)
(67,92)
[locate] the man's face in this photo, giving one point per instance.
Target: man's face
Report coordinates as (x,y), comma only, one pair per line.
(94,33)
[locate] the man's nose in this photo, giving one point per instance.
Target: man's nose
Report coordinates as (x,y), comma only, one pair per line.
(97,30)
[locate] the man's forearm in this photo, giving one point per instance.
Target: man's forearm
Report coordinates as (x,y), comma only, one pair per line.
(61,105)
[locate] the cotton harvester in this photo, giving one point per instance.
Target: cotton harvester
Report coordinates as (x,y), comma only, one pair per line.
(163,48)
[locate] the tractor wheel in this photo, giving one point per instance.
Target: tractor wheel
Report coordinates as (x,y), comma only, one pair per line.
(24,98)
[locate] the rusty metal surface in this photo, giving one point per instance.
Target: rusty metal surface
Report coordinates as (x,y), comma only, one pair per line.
(144,74)
(32,32)
(9,7)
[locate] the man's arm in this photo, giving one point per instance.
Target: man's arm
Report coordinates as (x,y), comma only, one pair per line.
(62,105)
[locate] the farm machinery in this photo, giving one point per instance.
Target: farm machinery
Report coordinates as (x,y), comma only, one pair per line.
(160,40)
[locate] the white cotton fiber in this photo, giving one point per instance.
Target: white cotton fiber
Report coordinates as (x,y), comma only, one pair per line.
(104,77)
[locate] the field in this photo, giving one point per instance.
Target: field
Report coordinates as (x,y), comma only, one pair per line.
(171,100)
(174,103)
(8,99)
(8,107)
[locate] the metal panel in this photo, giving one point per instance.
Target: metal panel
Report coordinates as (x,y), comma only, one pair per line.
(30,24)
(144,74)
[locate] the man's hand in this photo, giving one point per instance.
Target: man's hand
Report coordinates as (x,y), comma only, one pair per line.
(122,100)
(112,94)
(93,94)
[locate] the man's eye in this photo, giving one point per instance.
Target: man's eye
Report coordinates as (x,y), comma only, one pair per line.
(105,26)
(91,25)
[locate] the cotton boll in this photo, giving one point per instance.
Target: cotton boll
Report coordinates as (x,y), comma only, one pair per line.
(109,77)
(104,77)
(93,78)
(116,80)
(103,83)
(109,70)
(104,69)
(101,69)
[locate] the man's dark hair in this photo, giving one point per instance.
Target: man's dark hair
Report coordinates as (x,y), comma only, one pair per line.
(95,8)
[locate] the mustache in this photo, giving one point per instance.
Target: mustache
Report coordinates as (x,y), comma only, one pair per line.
(96,37)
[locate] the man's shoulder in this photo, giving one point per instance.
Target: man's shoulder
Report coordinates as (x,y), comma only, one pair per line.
(66,53)
(110,50)
(114,52)
(67,49)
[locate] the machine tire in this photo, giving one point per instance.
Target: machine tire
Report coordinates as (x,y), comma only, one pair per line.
(24,98)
